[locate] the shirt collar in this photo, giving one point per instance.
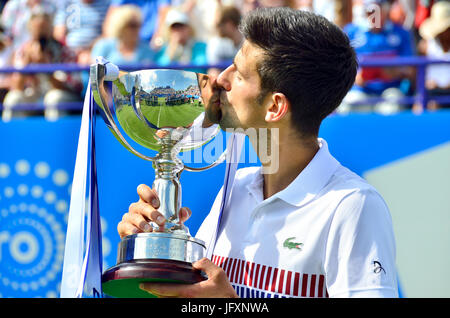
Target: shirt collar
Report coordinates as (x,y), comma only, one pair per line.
(312,179)
(307,184)
(255,187)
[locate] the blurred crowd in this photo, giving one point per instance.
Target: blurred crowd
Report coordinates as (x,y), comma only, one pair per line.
(205,32)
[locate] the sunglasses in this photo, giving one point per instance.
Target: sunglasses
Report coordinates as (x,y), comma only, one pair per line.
(133,25)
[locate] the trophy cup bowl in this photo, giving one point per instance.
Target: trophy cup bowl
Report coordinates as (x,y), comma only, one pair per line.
(162,110)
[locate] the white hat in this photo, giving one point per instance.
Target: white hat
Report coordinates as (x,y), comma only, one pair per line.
(176,16)
(438,22)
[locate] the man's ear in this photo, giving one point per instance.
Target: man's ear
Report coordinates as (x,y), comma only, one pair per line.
(279,107)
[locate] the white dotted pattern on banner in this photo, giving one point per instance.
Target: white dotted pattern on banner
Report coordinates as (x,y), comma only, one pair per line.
(34,221)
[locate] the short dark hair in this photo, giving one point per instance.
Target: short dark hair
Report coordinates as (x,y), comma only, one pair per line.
(306,57)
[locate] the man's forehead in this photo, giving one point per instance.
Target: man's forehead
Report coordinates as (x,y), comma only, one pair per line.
(249,55)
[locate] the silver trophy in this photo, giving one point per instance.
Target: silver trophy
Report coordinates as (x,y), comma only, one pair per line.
(162,110)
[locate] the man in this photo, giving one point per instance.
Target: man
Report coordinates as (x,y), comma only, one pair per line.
(312,228)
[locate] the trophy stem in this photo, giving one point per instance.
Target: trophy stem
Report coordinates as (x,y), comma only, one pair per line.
(167,184)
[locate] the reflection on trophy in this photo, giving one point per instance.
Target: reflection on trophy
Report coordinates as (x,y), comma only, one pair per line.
(162,110)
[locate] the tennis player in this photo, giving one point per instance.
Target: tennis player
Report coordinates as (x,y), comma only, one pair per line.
(312,228)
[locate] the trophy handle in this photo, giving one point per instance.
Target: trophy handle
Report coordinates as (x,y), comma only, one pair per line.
(215,163)
(97,77)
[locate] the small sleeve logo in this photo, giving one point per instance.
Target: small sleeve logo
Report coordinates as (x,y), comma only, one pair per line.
(377,268)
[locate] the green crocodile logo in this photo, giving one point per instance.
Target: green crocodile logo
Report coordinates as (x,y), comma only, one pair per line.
(291,245)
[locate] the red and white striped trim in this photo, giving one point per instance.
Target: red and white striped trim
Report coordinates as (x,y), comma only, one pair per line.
(272,279)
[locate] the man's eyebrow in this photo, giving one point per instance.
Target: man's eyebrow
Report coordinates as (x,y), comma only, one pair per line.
(235,65)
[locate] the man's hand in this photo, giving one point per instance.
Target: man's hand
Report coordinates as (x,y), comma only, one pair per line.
(216,286)
(141,213)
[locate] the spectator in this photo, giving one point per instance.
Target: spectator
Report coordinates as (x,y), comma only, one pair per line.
(181,45)
(153,13)
(50,89)
(435,32)
(15,16)
(78,24)
(382,38)
(14,19)
(125,47)
(224,47)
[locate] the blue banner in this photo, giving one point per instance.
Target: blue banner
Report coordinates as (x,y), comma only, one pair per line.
(36,167)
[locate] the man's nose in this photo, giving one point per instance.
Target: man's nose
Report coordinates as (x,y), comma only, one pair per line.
(223,80)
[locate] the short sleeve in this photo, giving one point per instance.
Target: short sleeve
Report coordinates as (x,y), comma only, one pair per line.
(360,251)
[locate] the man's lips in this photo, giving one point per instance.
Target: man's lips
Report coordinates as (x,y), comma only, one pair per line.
(213,110)
(217,110)
(217,106)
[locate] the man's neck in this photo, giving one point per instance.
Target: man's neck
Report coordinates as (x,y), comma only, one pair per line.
(293,156)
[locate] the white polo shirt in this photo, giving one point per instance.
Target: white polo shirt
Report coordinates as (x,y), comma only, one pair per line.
(328,234)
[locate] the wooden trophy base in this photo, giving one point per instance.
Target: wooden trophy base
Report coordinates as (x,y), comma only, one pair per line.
(123,280)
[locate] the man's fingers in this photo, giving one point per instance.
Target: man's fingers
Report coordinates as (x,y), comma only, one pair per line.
(148,195)
(141,213)
(181,290)
(207,266)
(125,229)
(217,284)
(147,211)
(138,221)
(184,214)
